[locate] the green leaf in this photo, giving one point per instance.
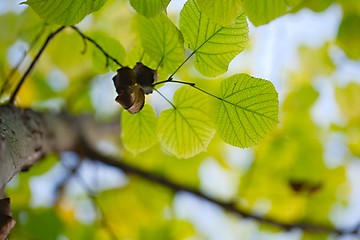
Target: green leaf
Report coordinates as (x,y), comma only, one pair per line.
(149,8)
(263,11)
(43,223)
(139,130)
(223,12)
(214,45)
(112,47)
(64,12)
(186,130)
(29,24)
(246,110)
(348,100)
(162,41)
(349,35)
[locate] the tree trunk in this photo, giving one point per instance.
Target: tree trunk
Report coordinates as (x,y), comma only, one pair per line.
(26,136)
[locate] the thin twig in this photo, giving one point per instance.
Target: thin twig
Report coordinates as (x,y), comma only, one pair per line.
(174,81)
(23,78)
(97,207)
(108,56)
(165,98)
(17,66)
(91,194)
(71,171)
(193,85)
(178,68)
(228,206)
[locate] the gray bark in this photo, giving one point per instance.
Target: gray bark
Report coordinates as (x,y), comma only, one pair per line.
(26,136)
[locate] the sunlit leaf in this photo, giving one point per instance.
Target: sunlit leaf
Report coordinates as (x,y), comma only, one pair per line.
(27,94)
(263,11)
(223,12)
(349,101)
(162,41)
(112,47)
(316,61)
(186,130)
(172,229)
(214,45)
(64,12)
(149,8)
(139,130)
(247,110)
(30,25)
(7,34)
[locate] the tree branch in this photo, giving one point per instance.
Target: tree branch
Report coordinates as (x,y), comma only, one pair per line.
(22,80)
(228,206)
(108,56)
(27,135)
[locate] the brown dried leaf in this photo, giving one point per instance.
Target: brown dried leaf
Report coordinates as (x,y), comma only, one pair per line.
(134,101)
(304,186)
(139,100)
(124,79)
(6,221)
(132,84)
(125,98)
(145,77)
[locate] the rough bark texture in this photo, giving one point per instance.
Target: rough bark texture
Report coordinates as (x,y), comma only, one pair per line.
(26,136)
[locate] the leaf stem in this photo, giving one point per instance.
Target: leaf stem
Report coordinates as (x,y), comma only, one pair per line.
(210,94)
(162,59)
(173,81)
(23,78)
(177,69)
(165,98)
(108,56)
(190,84)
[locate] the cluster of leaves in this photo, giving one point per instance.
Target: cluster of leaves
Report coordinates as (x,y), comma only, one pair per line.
(244,110)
